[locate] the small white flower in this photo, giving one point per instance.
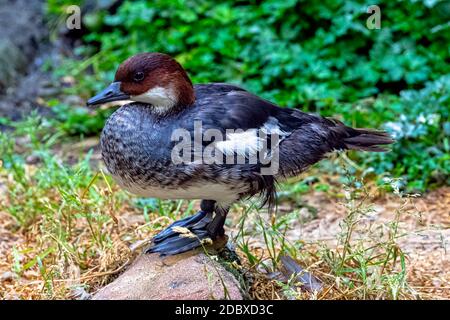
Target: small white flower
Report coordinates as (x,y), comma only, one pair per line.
(395,128)
(421,119)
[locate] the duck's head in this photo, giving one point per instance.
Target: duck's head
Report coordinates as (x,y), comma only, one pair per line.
(152,78)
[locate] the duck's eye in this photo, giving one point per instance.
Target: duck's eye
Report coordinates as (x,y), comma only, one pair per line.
(138,76)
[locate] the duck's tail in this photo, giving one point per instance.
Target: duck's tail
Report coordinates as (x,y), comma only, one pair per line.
(366,139)
(318,136)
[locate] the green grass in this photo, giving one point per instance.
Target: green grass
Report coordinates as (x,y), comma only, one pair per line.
(66,210)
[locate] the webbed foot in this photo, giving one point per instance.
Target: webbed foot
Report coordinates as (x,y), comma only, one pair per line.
(174,240)
(188,233)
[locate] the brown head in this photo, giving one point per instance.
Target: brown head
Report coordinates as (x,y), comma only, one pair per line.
(152,78)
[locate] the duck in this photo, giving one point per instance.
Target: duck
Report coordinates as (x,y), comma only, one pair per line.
(215,142)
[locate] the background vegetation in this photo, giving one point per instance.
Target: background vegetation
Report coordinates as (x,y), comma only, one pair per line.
(315,56)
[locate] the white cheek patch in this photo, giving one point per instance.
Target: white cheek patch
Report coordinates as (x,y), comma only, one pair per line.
(161,98)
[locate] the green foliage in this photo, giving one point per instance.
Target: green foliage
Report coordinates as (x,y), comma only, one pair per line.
(58,7)
(317,56)
(293,52)
(420,122)
(76,120)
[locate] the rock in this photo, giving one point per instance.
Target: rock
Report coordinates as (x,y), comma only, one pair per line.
(23,41)
(190,275)
(79,293)
(307,281)
(20,39)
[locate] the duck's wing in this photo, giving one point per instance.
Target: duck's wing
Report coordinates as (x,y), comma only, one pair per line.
(303,139)
(260,141)
(227,106)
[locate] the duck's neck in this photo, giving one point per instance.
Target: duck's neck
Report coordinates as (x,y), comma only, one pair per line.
(160,98)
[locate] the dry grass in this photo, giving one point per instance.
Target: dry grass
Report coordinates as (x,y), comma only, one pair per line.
(422,237)
(66,230)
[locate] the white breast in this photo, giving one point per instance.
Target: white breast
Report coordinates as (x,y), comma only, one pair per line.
(220,192)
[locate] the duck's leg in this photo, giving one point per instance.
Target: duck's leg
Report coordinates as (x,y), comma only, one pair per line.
(215,227)
(202,225)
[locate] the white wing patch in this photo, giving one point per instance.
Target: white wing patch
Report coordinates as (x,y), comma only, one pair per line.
(241,143)
(252,141)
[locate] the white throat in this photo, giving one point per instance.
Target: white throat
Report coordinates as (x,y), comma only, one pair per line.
(162,99)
